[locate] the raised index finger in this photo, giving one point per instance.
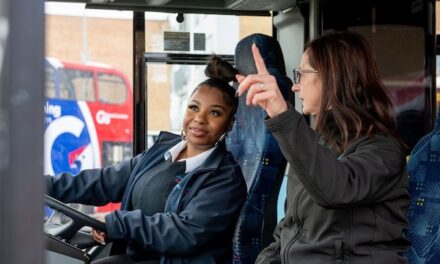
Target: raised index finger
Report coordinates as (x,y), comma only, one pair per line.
(259,62)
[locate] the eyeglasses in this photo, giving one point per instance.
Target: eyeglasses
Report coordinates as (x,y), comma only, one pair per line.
(297,74)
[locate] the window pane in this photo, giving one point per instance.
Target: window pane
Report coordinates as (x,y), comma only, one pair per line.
(169,86)
(401,62)
(81,131)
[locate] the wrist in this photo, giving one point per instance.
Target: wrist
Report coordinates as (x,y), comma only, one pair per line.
(281,109)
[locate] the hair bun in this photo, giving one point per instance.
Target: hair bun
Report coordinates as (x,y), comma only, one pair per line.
(221,69)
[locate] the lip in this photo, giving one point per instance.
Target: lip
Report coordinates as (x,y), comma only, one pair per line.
(197,132)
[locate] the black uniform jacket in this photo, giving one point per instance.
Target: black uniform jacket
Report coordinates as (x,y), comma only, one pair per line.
(200,213)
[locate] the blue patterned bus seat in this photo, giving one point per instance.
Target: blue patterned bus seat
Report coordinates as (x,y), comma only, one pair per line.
(255,149)
(424,211)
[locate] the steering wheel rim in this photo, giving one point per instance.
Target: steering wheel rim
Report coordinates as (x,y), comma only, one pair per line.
(79,219)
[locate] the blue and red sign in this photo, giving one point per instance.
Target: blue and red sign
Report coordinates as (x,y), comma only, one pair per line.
(71,143)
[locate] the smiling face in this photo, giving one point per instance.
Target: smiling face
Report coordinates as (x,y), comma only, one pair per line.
(309,88)
(207,118)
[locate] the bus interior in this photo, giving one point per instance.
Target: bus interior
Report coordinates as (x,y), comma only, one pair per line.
(402,34)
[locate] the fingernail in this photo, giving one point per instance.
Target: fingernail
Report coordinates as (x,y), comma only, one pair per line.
(239,78)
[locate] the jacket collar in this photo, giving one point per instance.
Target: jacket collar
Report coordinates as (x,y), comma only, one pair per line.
(212,161)
(192,162)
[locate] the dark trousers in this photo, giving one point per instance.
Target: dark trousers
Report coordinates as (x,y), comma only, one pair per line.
(122,259)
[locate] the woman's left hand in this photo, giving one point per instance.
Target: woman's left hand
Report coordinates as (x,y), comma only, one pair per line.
(262,88)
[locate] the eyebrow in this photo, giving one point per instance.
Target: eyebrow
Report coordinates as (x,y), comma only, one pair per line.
(308,68)
(219,106)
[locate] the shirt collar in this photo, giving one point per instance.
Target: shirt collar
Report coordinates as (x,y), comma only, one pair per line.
(191,163)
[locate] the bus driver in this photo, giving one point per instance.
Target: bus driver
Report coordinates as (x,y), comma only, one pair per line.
(180,198)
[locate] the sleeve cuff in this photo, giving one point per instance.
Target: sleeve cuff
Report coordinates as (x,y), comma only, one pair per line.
(291,115)
(113,232)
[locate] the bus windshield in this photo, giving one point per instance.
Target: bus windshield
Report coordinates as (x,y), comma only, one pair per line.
(89,106)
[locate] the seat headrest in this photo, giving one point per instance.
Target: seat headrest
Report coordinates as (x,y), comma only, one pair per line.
(272,55)
(249,141)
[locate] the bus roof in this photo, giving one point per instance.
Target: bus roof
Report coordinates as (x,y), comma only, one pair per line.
(238,7)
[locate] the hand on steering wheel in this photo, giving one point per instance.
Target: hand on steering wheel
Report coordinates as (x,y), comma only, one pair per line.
(99,236)
(79,219)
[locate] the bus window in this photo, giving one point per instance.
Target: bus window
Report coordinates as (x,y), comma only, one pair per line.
(76,85)
(111,89)
(115,152)
(169,86)
(168,95)
(387,26)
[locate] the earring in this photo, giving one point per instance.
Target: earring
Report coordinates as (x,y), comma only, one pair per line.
(221,139)
(182,135)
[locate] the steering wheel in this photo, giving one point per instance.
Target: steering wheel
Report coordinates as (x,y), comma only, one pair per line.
(79,220)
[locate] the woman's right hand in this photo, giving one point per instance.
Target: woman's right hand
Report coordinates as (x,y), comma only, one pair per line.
(262,88)
(99,236)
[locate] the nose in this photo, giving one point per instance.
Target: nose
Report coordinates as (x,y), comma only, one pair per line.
(296,88)
(200,117)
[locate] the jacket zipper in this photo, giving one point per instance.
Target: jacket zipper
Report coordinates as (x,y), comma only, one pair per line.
(291,242)
(276,252)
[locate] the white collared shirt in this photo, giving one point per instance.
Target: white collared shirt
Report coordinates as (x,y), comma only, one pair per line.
(191,163)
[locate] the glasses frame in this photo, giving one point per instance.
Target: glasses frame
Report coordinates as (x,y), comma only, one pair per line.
(297,72)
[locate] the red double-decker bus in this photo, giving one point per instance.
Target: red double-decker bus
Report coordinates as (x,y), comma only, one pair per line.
(88,117)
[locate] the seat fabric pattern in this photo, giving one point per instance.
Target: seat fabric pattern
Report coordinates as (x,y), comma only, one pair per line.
(424,211)
(255,149)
